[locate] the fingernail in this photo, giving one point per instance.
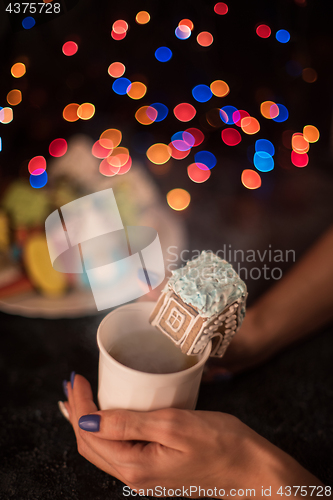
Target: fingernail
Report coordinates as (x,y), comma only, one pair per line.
(90,423)
(72,379)
(63,409)
(64,386)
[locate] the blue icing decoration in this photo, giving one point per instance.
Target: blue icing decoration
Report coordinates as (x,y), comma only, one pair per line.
(208,283)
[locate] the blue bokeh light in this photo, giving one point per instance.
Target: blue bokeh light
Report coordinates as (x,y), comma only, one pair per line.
(38,181)
(265,145)
(162,111)
(226,114)
(28,22)
(283,114)
(282,36)
(202,93)
(163,54)
(263,161)
(205,157)
(120,85)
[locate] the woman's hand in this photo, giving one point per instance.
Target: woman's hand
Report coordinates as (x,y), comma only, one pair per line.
(177,449)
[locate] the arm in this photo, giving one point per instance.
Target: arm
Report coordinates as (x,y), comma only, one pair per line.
(299,304)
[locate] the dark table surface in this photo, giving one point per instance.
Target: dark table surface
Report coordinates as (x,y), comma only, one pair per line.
(289,400)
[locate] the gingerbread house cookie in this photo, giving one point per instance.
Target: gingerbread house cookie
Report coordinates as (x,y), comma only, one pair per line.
(203,301)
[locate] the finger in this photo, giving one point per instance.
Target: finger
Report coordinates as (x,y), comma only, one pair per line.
(160,426)
(84,447)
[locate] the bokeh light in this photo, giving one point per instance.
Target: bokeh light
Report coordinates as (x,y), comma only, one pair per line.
(86,111)
(183,141)
(28,23)
(37,165)
(6,115)
(108,170)
(309,75)
(38,181)
(176,154)
(14,97)
(265,145)
(221,8)
(213,117)
(70,112)
(205,157)
(100,151)
(136,90)
(183,32)
(110,138)
(125,168)
(118,157)
(300,160)
(70,48)
(263,161)
(146,115)
(219,88)
(198,174)
(269,109)
(162,111)
(120,27)
(163,54)
(282,36)
(283,114)
(178,199)
(238,115)
(186,22)
(263,31)
(120,86)
(118,36)
(58,147)
(299,143)
(197,135)
(205,39)
(227,113)
(116,69)
(250,125)
(18,70)
(202,93)
(142,17)
(184,112)
(159,153)
(251,179)
(231,136)
(311,133)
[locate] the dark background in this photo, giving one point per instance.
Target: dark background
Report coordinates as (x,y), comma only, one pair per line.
(288,400)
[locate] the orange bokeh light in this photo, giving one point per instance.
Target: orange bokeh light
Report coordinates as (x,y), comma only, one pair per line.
(205,39)
(219,88)
(159,153)
(311,133)
(14,97)
(116,69)
(250,125)
(251,179)
(142,117)
(178,199)
(142,17)
(86,111)
(110,138)
(269,109)
(70,112)
(18,70)
(136,90)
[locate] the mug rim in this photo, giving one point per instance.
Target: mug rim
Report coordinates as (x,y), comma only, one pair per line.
(141,305)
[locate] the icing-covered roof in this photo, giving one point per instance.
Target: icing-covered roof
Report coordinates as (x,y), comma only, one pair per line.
(208,283)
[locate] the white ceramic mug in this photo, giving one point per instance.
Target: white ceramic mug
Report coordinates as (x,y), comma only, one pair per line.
(125,388)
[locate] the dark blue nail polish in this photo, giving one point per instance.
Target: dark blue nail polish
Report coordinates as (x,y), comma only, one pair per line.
(90,423)
(64,386)
(72,379)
